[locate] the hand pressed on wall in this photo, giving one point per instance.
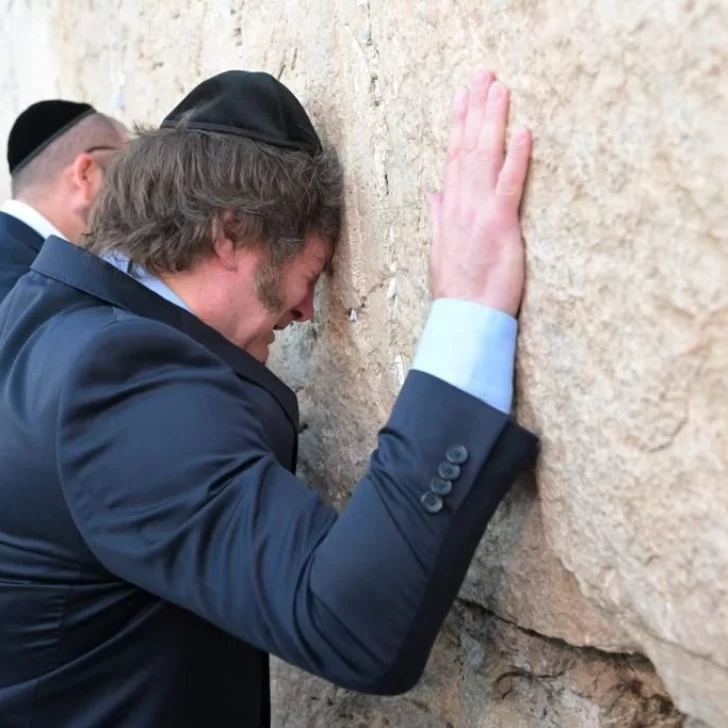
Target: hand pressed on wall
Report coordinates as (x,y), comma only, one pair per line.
(477,251)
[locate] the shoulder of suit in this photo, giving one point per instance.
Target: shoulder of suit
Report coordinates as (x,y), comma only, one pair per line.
(93,337)
(142,343)
(15,231)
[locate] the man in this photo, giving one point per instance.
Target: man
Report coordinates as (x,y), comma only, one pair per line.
(57,153)
(155,546)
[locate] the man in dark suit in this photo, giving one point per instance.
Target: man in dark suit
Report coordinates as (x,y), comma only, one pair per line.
(155,545)
(57,153)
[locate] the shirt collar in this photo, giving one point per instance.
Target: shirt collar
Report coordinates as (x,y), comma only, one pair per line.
(31,217)
(146,279)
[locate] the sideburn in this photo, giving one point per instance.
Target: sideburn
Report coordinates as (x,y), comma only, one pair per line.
(268,287)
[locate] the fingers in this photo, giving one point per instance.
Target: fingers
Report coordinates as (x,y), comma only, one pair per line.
(492,138)
(482,81)
(452,167)
(477,163)
(513,174)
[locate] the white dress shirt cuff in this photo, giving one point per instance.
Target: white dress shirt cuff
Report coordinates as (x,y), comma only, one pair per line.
(471,347)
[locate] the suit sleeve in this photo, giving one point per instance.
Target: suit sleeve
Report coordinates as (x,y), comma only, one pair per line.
(170,481)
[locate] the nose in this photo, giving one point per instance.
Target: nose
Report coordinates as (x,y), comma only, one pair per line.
(303,311)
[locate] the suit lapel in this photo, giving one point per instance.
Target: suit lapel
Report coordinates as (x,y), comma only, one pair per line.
(85,272)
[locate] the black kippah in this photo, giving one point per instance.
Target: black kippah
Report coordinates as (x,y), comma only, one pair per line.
(248,104)
(38,126)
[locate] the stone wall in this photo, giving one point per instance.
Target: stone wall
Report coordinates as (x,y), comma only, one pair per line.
(618,553)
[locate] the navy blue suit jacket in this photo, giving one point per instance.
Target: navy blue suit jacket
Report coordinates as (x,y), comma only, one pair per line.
(154,543)
(19,244)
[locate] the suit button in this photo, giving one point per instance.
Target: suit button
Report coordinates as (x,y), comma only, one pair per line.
(457,454)
(440,486)
(448,471)
(431,502)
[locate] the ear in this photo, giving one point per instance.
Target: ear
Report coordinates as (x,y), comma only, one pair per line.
(224,248)
(86,177)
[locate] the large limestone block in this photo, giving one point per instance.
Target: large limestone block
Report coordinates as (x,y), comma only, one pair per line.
(487,673)
(514,572)
(516,678)
(621,543)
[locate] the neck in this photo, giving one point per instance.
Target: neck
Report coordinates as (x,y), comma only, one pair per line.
(64,222)
(208,294)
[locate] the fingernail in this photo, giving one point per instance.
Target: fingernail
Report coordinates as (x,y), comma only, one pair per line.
(497,90)
(520,134)
(480,77)
(461,99)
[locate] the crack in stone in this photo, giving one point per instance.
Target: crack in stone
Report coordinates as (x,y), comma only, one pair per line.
(483,614)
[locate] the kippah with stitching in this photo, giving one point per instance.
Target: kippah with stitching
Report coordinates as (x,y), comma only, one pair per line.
(39,125)
(249,104)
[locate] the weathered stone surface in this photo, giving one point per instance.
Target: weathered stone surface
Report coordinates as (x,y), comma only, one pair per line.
(521,679)
(622,544)
(487,673)
(514,570)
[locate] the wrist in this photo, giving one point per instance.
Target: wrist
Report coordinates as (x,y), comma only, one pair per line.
(508,306)
(472,347)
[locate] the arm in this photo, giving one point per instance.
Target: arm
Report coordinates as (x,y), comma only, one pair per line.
(169,479)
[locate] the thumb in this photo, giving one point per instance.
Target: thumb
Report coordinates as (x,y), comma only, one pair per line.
(434,202)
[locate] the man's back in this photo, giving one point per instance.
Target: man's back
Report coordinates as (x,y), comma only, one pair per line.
(77,625)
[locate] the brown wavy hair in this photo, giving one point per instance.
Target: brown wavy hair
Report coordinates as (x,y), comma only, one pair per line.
(172,192)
